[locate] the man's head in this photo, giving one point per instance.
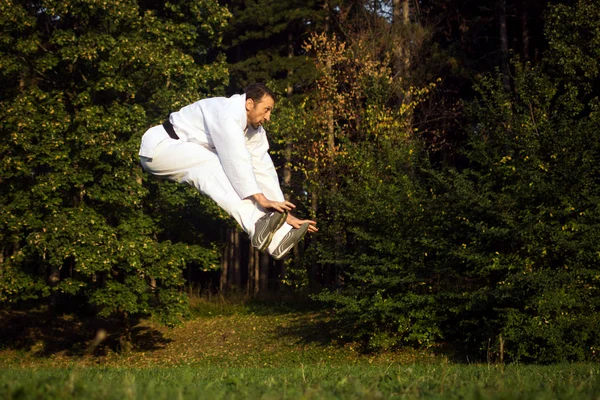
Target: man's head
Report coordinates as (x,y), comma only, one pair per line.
(260,101)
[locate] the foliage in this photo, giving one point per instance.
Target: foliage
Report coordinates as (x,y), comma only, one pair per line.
(82,81)
(528,223)
(527,212)
(492,247)
(497,255)
(361,159)
(264,42)
(573,35)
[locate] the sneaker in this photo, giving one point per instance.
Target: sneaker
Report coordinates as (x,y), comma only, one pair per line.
(265,228)
(289,241)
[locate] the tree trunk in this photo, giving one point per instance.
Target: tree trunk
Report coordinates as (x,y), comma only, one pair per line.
(287,153)
(504,45)
(53,279)
(402,48)
(332,174)
(250,280)
(525,32)
(231,270)
(253,281)
(225,260)
(264,271)
(313,267)
(236,259)
(125,342)
(326,26)
(256,276)
(1,262)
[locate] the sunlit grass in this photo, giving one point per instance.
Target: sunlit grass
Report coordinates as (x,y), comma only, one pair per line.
(362,381)
(251,350)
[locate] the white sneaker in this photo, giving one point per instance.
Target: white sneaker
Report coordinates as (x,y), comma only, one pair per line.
(280,247)
(265,228)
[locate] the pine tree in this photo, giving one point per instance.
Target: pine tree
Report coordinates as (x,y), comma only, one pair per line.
(499,254)
(264,42)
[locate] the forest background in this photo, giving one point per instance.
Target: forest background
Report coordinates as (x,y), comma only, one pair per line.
(448,150)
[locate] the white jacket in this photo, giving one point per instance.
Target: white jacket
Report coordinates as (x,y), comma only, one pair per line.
(220,125)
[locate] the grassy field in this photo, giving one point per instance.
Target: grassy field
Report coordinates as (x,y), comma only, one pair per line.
(240,351)
(304,382)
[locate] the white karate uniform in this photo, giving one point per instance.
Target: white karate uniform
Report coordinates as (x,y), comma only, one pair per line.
(219,155)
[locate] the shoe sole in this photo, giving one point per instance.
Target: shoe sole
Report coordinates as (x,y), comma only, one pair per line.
(269,238)
(303,229)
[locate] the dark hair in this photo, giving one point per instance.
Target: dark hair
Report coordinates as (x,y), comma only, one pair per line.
(257,91)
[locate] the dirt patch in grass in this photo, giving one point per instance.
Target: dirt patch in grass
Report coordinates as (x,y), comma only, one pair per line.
(252,335)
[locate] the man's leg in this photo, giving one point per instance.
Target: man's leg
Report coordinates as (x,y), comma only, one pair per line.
(187,162)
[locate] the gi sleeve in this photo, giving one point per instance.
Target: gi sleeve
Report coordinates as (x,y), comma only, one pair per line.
(230,144)
(264,170)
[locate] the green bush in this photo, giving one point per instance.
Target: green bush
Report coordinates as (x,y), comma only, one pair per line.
(534,211)
(497,255)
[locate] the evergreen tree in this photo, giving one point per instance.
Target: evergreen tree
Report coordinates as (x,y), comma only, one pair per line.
(264,42)
(499,256)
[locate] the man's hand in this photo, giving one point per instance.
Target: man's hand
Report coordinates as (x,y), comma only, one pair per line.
(297,223)
(272,205)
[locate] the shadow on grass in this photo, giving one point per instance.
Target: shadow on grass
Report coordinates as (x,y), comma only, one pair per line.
(240,303)
(322,329)
(311,323)
(313,328)
(307,321)
(42,333)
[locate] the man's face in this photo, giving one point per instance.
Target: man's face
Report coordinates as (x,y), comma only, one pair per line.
(259,112)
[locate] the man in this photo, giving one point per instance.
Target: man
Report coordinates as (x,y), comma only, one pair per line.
(219,146)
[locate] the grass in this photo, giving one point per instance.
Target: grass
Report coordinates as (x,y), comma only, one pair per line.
(358,381)
(254,351)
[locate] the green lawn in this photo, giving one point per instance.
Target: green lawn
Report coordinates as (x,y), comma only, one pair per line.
(441,381)
(241,351)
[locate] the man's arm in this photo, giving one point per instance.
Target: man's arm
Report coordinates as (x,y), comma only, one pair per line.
(228,139)
(236,160)
(297,223)
(258,146)
(263,167)
(267,204)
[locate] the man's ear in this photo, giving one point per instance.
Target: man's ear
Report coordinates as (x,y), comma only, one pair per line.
(249,104)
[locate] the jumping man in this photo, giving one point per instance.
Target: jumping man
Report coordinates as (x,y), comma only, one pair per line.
(219,146)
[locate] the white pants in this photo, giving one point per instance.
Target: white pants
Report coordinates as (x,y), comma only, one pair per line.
(196,165)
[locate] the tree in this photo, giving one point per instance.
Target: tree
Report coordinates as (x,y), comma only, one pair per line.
(264,42)
(372,207)
(497,255)
(82,81)
(527,223)
(466,39)
(331,131)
